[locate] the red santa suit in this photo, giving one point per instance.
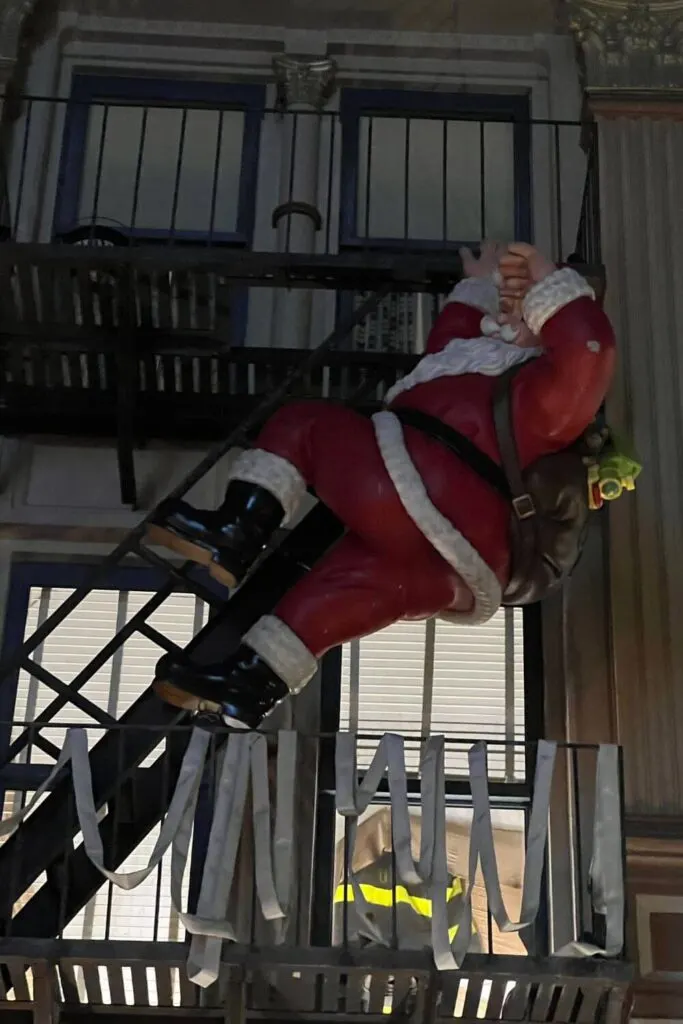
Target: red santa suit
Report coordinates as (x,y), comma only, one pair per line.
(426,535)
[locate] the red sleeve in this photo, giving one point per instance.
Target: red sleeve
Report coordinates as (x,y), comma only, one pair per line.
(558,395)
(456,320)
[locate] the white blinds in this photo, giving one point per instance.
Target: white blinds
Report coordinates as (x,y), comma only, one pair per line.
(421,677)
(70,647)
(113,913)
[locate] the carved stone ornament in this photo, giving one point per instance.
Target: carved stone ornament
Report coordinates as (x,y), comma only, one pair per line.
(303,82)
(629,44)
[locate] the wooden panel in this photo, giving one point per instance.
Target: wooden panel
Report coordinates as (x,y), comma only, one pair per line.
(666,930)
(642,216)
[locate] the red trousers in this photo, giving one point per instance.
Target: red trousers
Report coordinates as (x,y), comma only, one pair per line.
(383,569)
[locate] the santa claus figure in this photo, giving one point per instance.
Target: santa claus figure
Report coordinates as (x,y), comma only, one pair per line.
(426,535)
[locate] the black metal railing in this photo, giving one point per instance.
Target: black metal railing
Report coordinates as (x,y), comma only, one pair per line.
(82,905)
(589,237)
(126,172)
(301,199)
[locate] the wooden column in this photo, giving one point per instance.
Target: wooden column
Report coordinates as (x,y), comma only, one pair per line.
(633,69)
(632,60)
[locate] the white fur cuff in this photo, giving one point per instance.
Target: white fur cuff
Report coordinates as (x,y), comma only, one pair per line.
(274,474)
(480,292)
(282,650)
(551,294)
(441,534)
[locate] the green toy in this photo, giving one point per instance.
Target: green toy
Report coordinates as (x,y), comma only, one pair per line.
(611,473)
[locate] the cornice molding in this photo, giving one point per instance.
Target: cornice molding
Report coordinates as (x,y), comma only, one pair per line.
(628,44)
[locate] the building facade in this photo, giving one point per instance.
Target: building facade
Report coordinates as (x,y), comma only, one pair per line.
(194,197)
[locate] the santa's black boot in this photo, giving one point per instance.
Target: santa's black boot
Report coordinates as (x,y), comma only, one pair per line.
(228,540)
(243,689)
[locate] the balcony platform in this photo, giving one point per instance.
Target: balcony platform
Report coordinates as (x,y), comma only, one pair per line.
(136,342)
(352,270)
(81,980)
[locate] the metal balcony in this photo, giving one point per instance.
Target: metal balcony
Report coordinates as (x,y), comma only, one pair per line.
(74,943)
(127,320)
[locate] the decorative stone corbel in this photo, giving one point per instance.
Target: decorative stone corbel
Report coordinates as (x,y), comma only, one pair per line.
(303,82)
(634,45)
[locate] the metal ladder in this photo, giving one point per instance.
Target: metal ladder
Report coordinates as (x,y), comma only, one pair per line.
(45,842)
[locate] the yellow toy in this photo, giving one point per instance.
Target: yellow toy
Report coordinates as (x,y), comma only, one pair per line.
(610,474)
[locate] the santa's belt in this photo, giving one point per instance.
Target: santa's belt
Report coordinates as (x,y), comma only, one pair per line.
(460,445)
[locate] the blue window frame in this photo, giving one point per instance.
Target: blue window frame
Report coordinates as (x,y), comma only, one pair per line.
(146,94)
(360,109)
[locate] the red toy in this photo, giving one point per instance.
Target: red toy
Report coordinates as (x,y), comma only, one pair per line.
(426,534)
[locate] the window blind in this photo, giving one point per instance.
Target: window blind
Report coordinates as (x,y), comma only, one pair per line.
(146,913)
(465,682)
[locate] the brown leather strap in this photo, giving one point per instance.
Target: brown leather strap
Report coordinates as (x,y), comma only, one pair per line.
(524,516)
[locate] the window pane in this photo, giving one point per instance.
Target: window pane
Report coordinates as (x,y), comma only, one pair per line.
(469,685)
(160,170)
(403,164)
(78,639)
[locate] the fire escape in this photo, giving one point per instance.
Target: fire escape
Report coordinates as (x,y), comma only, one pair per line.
(106,334)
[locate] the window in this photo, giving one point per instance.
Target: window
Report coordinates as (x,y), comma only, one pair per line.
(466,683)
(434,169)
(429,171)
(160,159)
(416,678)
(36,592)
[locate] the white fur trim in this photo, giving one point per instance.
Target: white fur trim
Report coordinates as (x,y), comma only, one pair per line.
(550,295)
(282,650)
(480,292)
(440,533)
(274,474)
(488,356)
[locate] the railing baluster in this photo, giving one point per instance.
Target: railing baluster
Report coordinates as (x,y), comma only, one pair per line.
(98,173)
(444,182)
(406,179)
(482,180)
(558,192)
(292,169)
(22,167)
(178,174)
(332,121)
(578,842)
(368,185)
(138,168)
(216,173)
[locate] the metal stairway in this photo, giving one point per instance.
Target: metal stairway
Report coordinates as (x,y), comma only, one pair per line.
(45,842)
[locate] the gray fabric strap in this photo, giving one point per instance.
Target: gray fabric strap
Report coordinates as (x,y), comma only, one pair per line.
(537,838)
(353,800)
(432,870)
(606,878)
(246,758)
